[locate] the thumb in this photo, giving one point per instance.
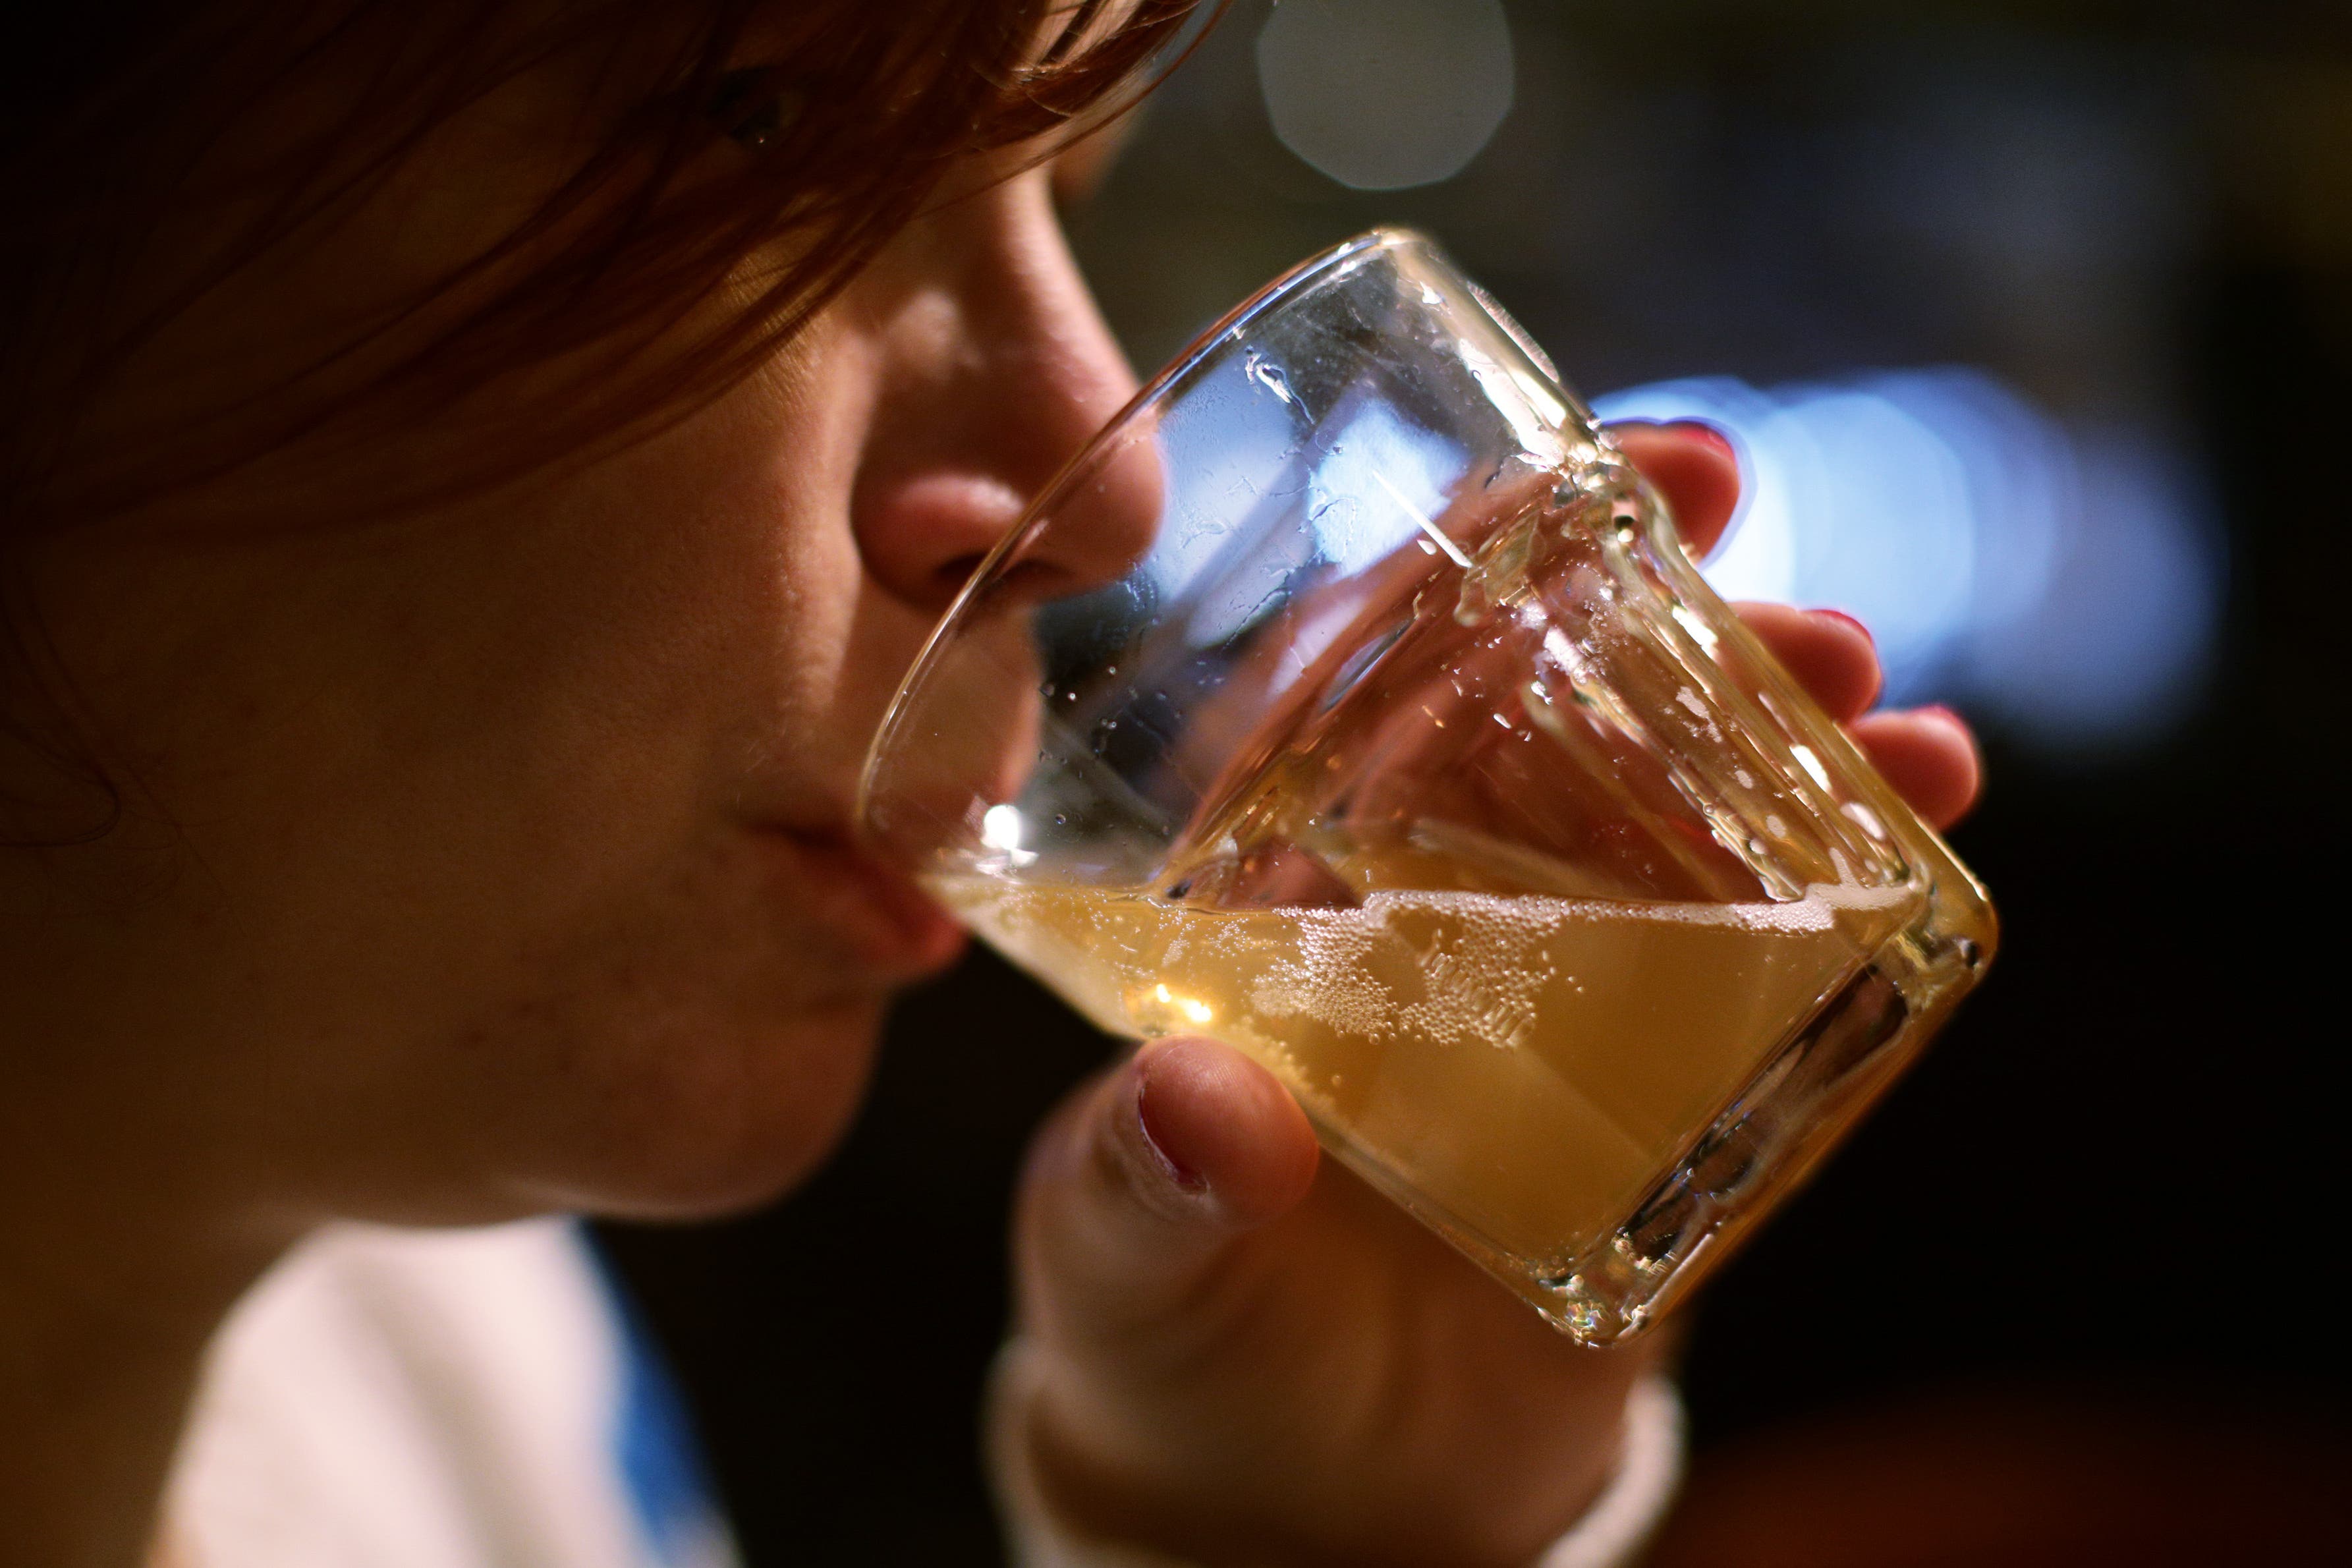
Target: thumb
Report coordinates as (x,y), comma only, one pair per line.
(1147,1177)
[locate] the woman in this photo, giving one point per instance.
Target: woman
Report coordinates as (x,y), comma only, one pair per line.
(474,475)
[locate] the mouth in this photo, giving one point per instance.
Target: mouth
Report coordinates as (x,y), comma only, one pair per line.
(889,927)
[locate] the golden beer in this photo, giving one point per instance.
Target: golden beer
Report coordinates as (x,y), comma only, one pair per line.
(1412,755)
(1527,1064)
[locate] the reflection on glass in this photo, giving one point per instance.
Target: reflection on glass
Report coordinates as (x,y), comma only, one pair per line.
(1414,758)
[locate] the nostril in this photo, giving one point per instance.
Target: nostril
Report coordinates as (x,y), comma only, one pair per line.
(1022,582)
(1035,582)
(953,574)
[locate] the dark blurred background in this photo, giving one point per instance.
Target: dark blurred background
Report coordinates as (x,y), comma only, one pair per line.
(2034,322)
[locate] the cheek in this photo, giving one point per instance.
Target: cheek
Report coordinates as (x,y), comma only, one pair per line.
(629,1004)
(484,907)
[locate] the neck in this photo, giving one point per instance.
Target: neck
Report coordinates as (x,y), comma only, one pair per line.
(134,1181)
(106,1307)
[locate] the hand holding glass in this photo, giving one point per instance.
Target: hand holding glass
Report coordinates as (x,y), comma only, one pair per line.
(1412,757)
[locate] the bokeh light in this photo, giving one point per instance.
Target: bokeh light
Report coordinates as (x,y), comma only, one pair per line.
(1385,94)
(2061,582)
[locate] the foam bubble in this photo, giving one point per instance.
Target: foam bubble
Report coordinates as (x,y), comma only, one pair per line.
(1500,912)
(1480,959)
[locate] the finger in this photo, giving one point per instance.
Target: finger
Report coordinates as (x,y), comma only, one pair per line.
(1693,466)
(1830,653)
(1929,755)
(1146,1178)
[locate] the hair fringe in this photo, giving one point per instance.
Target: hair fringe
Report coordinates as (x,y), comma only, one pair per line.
(612,260)
(121,132)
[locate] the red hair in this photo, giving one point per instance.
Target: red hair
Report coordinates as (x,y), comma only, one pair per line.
(155,154)
(129,134)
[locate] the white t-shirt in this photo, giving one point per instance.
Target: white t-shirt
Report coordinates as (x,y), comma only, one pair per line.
(478,1399)
(438,1399)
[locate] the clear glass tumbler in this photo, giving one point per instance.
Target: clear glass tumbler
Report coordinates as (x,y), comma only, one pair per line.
(1400,744)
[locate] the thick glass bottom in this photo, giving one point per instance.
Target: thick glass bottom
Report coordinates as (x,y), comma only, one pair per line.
(1775,1131)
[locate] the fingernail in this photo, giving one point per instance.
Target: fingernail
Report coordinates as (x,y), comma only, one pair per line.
(1945,714)
(1849,620)
(1184,1177)
(1701,431)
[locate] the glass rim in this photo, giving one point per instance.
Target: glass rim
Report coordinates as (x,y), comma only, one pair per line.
(1282,290)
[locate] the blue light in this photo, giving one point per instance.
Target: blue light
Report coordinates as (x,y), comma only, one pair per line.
(2061,582)
(1379,473)
(1232,457)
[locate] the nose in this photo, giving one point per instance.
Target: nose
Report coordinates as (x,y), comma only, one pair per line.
(997,367)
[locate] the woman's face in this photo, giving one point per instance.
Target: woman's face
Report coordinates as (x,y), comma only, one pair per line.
(498,855)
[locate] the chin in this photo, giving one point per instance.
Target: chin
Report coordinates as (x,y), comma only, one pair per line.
(715,1125)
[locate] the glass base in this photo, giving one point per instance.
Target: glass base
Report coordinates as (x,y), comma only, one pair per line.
(1775,1131)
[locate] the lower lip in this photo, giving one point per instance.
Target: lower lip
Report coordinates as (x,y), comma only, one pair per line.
(889,925)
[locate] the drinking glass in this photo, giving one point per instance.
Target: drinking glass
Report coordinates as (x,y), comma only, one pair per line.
(1396,741)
